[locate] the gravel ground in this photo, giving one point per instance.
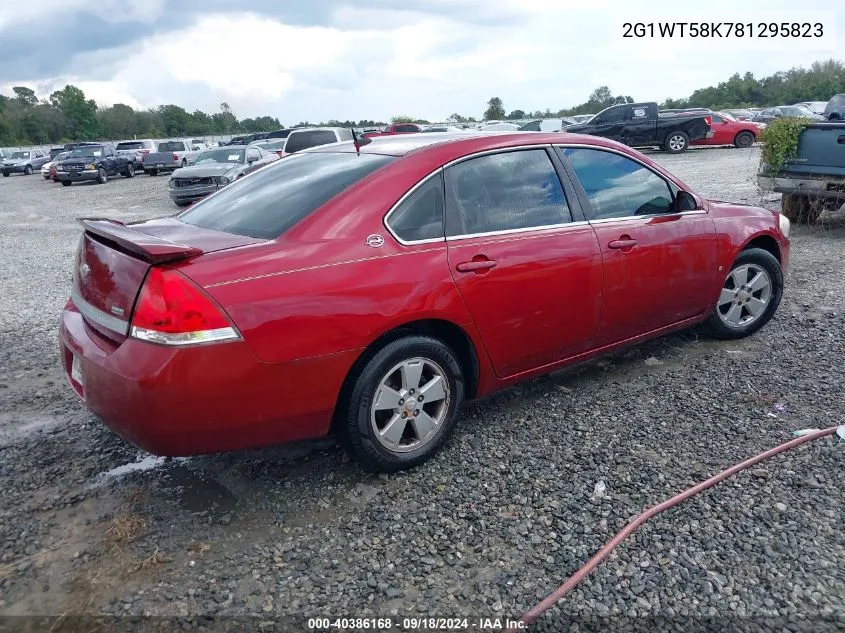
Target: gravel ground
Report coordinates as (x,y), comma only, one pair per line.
(504,513)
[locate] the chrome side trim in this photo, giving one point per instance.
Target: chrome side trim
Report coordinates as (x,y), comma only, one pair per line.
(647,217)
(97,316)
(546,227)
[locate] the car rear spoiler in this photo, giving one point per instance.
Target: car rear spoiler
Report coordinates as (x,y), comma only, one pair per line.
(147,247)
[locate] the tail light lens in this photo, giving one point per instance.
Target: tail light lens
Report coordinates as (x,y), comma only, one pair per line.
(709,120)
(175,157)
(171,310)
(281,153)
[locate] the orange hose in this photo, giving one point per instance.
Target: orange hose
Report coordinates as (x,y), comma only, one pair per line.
(549,601)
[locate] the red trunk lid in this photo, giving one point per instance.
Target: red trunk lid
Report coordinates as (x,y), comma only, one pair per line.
(113,260)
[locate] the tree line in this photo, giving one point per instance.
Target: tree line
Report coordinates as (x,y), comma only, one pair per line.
(67,114)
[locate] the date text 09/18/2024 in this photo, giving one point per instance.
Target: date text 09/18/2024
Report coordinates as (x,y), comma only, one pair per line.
(415,624)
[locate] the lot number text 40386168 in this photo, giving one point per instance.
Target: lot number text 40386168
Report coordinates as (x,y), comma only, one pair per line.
(723,29)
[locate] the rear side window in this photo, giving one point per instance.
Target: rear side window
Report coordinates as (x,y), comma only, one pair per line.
(299,141)
(501,192)
(276,197)
(618,187)
(171,146)
(345,134)
(405,128)
(420,216)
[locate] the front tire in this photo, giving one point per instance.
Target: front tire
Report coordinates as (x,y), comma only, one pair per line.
(130,171)
(66,183)
(27,171)
(744,139)
(403,404)
(676,142)
(749,297)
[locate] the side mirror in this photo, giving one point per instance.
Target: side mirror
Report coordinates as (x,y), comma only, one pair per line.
(685,201)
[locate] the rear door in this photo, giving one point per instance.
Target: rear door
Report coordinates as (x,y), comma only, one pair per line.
(658,262)
(526,264)
(640,125)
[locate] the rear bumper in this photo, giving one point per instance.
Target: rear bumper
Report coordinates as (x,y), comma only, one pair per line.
(199,399)
(161,166)
(77,177)
(831,187)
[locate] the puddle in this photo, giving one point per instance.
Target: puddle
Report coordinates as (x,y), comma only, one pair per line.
(195,492)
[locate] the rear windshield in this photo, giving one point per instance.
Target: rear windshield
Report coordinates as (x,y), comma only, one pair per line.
(130,145)
(299,141)
(171,146)
(273,199)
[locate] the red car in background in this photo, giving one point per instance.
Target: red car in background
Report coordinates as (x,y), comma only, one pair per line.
(370,290)
(728,130)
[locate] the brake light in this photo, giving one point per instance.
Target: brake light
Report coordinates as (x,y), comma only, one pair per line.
(709,120)
(175,157)
(171,310)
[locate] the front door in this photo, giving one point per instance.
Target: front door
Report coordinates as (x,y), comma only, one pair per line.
(657,258)
(530,275)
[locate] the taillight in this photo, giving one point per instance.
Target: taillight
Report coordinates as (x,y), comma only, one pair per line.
(709,120)
(171,310)
(175,158)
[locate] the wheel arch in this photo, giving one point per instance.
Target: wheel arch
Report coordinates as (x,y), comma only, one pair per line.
(765,242)
(453,335)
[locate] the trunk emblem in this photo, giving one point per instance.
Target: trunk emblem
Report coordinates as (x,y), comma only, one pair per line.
(117,311)
(375,240)
(84,269)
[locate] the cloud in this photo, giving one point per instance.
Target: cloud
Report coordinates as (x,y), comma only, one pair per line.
(369,59)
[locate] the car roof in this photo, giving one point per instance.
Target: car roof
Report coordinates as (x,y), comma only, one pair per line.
(461,143)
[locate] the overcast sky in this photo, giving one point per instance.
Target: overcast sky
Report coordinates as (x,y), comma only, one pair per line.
(321,59)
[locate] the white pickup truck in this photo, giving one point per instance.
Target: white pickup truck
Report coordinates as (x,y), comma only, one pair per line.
(171,155)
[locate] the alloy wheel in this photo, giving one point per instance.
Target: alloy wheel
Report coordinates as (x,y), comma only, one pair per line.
(677,143)
(410,404)
(745,296)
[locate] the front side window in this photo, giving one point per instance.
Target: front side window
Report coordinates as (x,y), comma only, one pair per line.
(275,198)
(502,192)
(406,128)
(420,216)
(618,187)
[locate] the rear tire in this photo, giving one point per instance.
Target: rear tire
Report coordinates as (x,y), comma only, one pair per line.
(5,174)
(744,139)
(181,204)
(421,373)
(676,142)
(184,163)
(66,183)
(749,297)
(153,172)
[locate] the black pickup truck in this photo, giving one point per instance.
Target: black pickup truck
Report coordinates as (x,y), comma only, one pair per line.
(639,125)
(813,180)
(93,162)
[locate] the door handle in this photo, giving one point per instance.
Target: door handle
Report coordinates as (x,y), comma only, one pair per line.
(475,265)
(624,243)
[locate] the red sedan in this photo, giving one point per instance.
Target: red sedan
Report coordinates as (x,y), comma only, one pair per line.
(371,293)
(730,131)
